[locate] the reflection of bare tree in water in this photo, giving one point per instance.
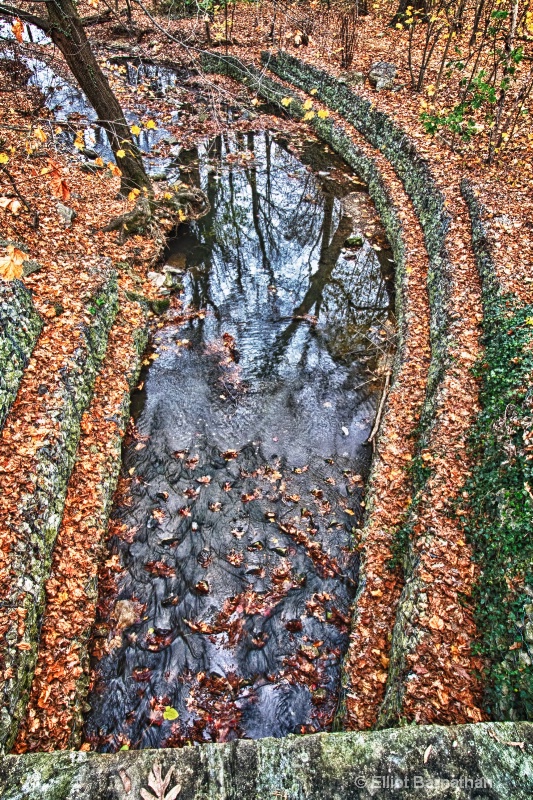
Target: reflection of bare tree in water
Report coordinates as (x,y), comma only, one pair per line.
(330,250)
(236,232)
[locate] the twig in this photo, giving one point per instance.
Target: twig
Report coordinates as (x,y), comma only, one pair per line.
(380,408)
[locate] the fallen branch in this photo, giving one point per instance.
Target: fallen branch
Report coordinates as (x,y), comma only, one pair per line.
(380,409)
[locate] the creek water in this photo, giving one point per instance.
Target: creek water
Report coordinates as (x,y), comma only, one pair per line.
(245,470)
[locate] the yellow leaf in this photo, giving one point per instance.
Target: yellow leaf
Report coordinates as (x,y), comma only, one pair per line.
(168,196)
(308,104)
(151,124)
(313,91)
(135,130)
(133,195)
(120,153)
(286,101)
(308,116)
(4,158)
(323,113)
(40,134)
(11,265)
(99,162)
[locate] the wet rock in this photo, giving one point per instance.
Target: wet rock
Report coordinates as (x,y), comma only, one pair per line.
(382,75)
(157,278)
(91,168)
(354,241)
(67,215)
(159,306)
(125,614)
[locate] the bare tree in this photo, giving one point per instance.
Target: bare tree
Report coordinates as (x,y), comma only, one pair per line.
(65,27)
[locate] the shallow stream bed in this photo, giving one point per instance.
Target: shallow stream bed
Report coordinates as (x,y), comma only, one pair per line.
(232,538)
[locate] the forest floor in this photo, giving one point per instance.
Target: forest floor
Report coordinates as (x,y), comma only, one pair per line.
(74,257)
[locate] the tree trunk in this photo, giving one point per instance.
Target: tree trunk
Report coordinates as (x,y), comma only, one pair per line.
(66,31)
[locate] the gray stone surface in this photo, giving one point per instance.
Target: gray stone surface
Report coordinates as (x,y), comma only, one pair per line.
(487,761)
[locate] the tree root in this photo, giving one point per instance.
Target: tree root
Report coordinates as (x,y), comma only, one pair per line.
(184,204)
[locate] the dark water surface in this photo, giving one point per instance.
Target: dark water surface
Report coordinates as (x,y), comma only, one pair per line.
(235,540)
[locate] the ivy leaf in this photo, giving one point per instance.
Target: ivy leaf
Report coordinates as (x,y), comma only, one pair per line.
(170,713)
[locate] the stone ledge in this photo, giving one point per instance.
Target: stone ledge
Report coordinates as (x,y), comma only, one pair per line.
(487,760)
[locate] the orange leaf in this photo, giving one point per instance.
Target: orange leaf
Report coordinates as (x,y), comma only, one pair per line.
(60,187)
(11,265)
(18,29)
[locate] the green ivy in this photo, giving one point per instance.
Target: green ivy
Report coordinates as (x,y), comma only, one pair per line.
(500,524)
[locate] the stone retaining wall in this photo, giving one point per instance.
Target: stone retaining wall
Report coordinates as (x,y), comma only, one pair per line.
(20,326)
(41,512)
(420,762)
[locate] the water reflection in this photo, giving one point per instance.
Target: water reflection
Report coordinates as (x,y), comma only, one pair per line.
(237,572)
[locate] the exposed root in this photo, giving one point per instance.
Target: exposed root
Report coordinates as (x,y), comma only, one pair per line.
(183,203)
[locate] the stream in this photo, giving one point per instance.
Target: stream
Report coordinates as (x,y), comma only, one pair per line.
(246,465)
(233,538)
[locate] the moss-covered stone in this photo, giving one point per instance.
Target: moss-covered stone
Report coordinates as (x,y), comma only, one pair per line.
(423,763)
(42,508)
(20,326)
